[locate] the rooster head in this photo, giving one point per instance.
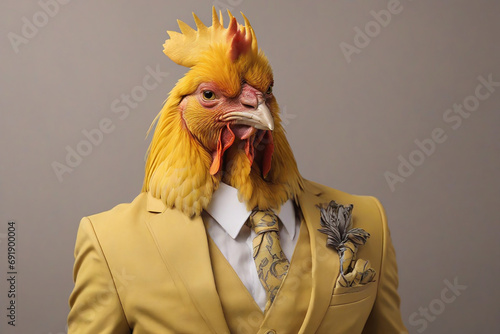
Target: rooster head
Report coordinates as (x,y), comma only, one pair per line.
(220,123)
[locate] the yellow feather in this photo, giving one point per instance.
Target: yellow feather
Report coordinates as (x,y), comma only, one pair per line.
(185,29)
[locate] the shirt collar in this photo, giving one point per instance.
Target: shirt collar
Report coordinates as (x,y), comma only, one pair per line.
(232,214)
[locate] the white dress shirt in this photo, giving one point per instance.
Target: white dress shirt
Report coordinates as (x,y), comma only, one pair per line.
(225,217)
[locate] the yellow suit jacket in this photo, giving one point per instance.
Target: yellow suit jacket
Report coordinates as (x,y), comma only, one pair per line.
(143,268)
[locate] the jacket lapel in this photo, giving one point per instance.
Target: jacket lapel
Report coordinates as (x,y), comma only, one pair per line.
(183,245)
(325,261)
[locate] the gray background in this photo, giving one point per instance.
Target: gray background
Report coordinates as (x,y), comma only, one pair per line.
(347,122)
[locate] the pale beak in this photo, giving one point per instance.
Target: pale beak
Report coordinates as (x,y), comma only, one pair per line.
(259,118)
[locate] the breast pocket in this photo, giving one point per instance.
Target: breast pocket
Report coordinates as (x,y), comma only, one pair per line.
(354,294)
(349,308)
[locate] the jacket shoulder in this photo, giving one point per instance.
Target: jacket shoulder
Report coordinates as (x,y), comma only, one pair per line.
(122,214)
(122,228)
(342,197)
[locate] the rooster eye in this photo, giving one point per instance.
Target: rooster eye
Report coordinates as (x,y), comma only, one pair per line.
(208,95)
(269,90)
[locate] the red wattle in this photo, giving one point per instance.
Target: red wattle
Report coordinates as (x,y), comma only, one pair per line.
(226,139)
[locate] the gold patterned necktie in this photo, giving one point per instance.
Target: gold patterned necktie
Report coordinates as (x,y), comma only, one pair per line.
(270,261)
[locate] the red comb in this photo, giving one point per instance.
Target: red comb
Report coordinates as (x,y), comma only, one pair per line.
(241,39)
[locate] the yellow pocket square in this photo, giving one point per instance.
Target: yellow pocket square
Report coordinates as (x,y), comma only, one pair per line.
(360,274)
